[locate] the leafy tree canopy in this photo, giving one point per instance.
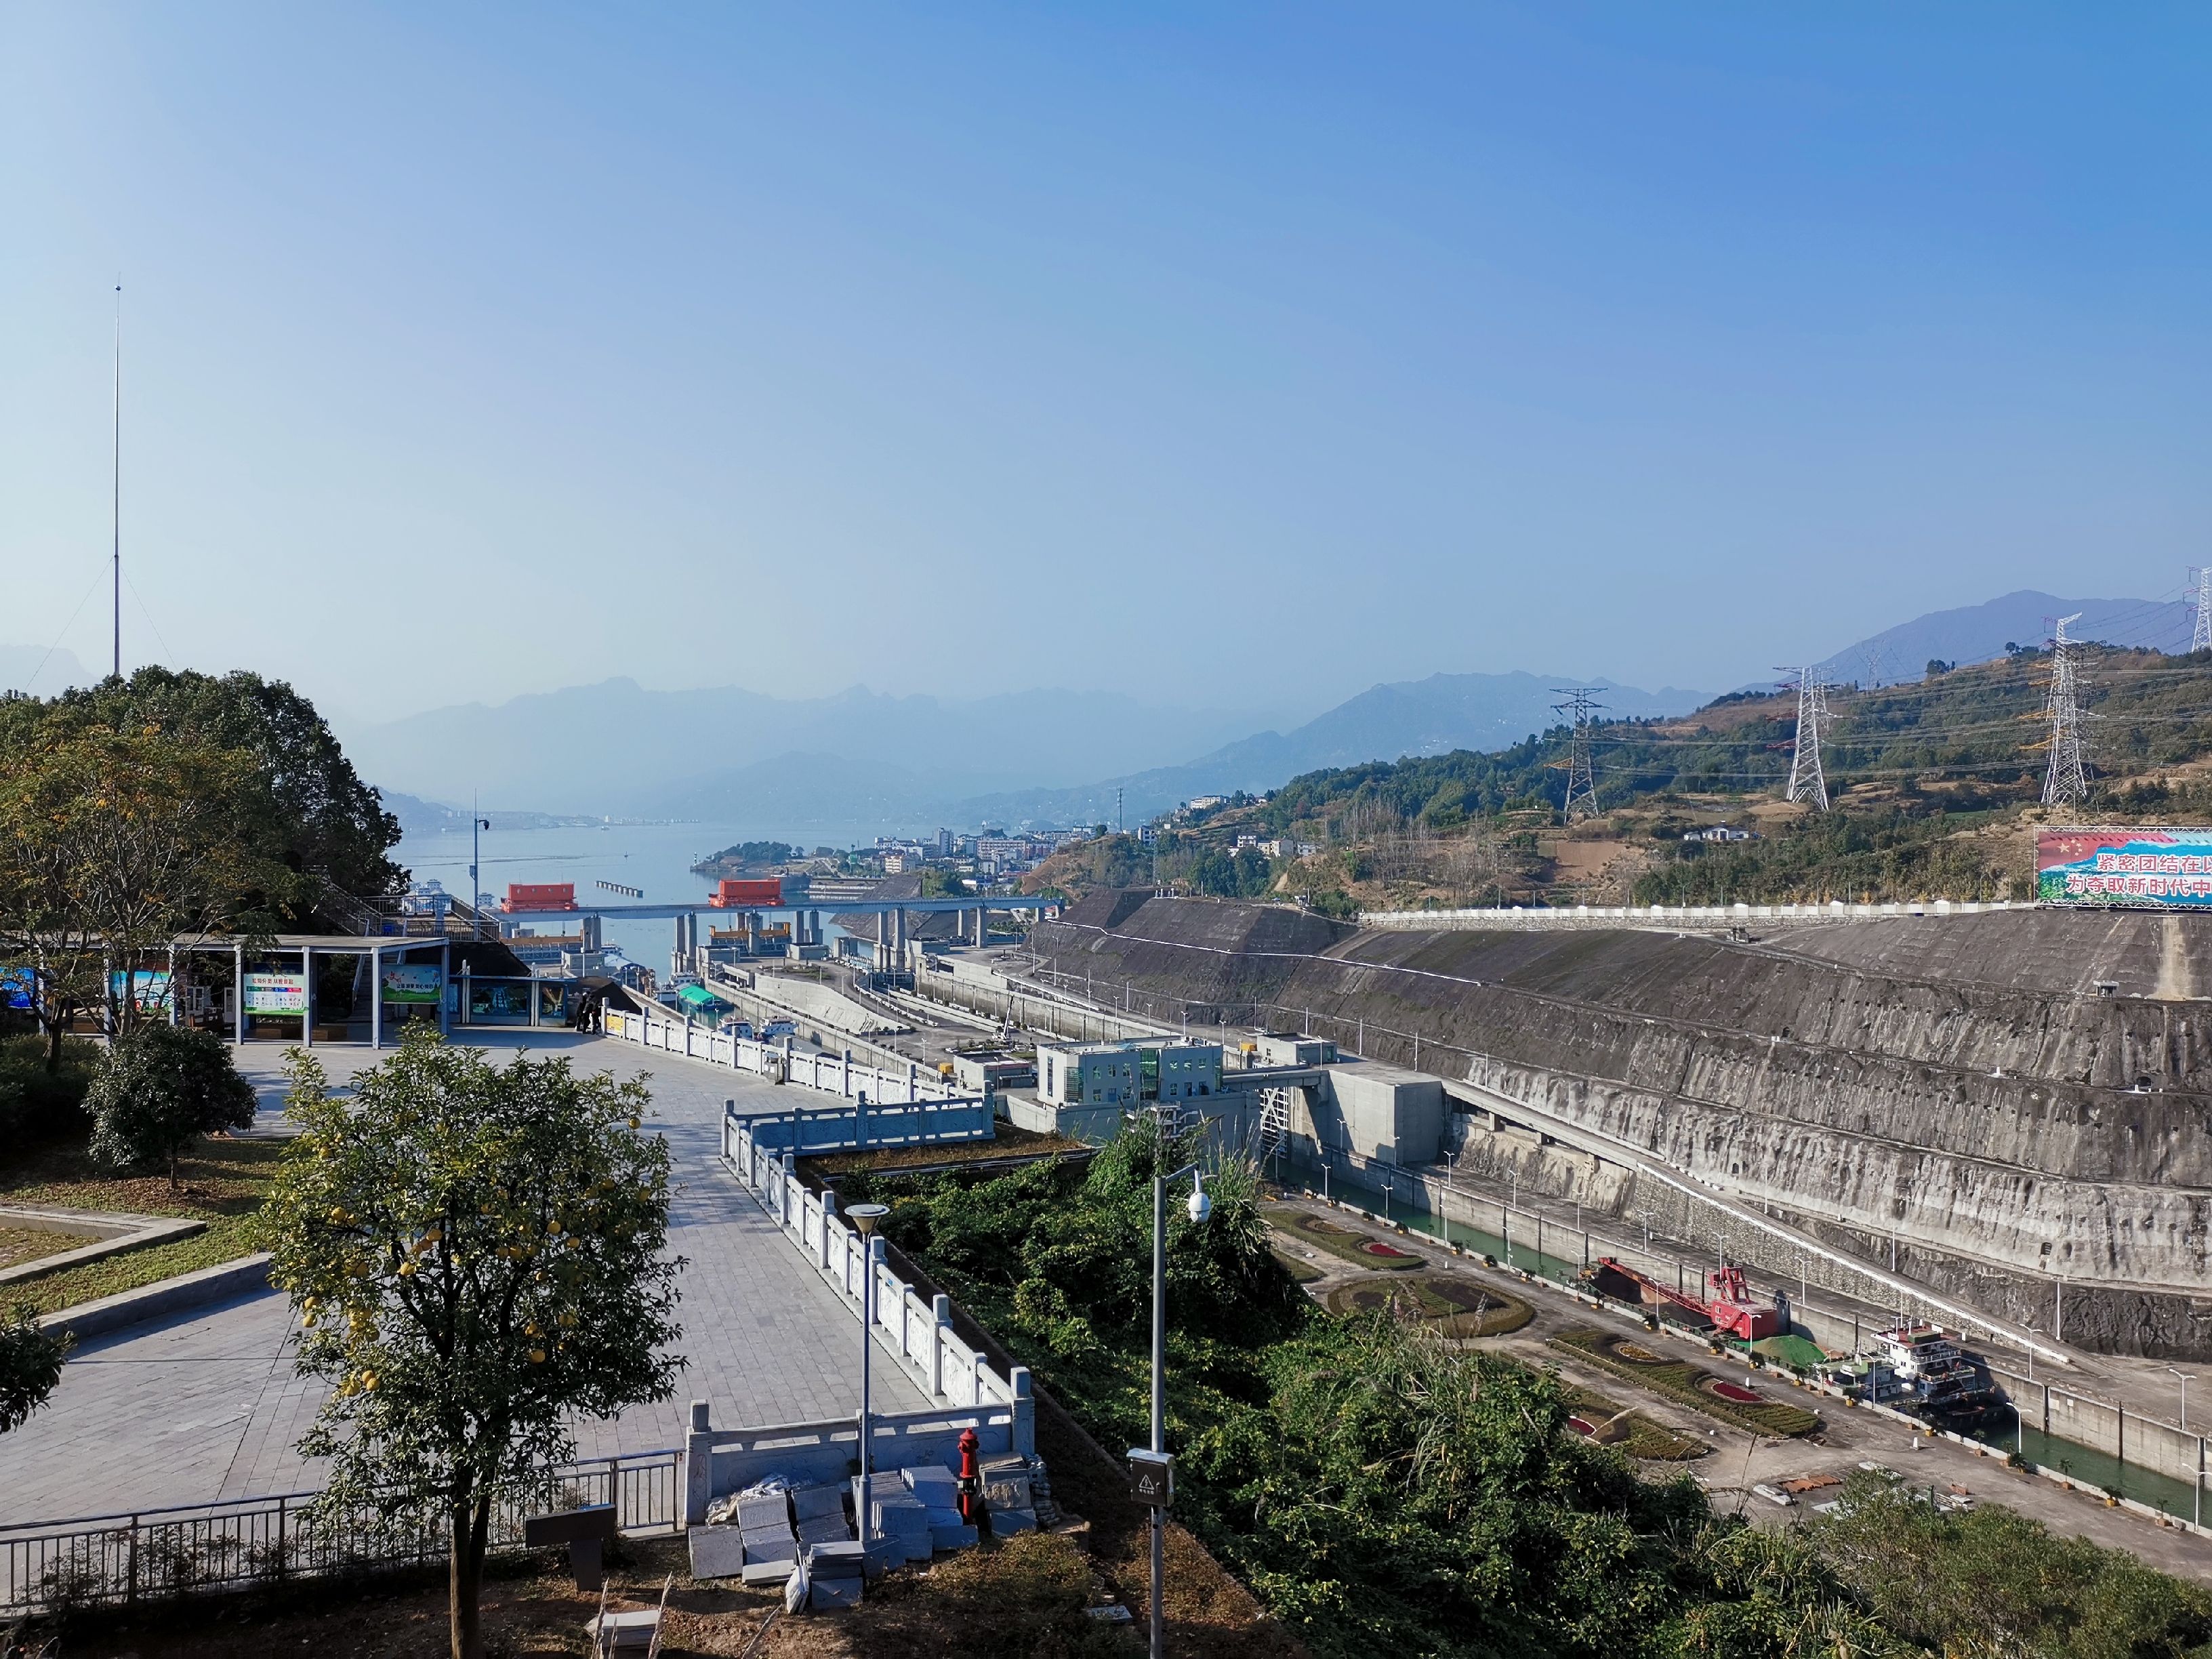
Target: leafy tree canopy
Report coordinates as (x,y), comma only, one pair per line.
(306,810)
(30,1365)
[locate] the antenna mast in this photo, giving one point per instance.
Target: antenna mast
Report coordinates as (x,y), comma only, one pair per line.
(2067,782)
(1806,781)
(1582,777)
(116,574)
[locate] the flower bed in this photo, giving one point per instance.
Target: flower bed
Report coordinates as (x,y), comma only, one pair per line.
(1362,1249)
(1686,1384)
(1451,1304)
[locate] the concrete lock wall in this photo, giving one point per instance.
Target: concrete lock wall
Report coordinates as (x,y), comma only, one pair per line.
(965,1391)
(2014,1097)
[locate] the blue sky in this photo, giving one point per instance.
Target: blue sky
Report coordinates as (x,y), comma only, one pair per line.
(1243,355)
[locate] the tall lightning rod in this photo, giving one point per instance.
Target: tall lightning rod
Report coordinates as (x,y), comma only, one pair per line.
(1582,777)
(2202,639)
(116,522)
(1807,781)
(2066,783)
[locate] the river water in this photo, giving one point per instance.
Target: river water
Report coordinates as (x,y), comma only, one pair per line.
(657,857)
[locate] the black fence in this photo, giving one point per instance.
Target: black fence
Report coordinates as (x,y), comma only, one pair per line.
(155,1555)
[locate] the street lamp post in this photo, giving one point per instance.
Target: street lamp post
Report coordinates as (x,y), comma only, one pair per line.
(865,1216)
(1197,1208)
(2183,1375)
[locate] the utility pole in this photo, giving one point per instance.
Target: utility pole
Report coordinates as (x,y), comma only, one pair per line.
(2201,640)
(1806,781)
(2066,783)
(1582,778)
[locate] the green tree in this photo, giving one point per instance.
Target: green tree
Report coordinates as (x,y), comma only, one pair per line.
(113,842)
(475,1252)
(30,1365)
(157,1090)
(304,810)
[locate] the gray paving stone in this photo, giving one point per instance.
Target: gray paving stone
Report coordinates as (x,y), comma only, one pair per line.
(207,1405)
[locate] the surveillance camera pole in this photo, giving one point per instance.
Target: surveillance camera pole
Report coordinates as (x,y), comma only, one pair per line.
(1159,1367)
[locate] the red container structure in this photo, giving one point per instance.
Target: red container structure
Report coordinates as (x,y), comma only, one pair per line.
(541,896)
(732,894)
(1727,1304)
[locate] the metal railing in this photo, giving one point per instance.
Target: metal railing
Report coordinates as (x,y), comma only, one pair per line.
(154,1555)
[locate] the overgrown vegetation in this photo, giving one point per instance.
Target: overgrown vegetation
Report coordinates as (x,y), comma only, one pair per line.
(1386,1493)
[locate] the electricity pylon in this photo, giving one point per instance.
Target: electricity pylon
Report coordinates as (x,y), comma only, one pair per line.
(1806,781)
(1582,777)
(2066,783)
(2202,639)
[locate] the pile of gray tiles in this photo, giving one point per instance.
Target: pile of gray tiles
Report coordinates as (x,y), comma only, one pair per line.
(835,1570)
(759,1548)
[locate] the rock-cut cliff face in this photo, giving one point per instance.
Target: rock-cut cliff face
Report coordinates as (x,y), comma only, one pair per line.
(2003,1099)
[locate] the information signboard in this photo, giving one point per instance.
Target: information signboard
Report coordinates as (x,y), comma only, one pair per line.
(2139,867)
(276,993)
(149,988)
(412,982)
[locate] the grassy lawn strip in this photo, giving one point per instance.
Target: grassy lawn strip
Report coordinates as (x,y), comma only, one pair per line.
(1362,1249)
(1303,1272)
(1684,1385)
(1632,1431)
(1452,1306)
(223,1182)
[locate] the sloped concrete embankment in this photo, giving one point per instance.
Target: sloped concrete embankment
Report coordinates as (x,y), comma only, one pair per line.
(2004,1101)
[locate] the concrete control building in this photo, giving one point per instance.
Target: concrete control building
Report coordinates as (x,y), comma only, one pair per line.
(1127,1074)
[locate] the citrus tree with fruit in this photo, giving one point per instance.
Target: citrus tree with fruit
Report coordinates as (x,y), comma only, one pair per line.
(477,1254)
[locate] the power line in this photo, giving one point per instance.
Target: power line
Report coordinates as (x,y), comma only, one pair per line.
(1806,782)
(1582,781)
(2066,783)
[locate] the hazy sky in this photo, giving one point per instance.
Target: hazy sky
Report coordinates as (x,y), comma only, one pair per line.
(1243,354)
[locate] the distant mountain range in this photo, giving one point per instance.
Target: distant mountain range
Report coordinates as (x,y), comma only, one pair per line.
(1977,632)
(916,762)
(34,668)
(618,749)
(1432,717)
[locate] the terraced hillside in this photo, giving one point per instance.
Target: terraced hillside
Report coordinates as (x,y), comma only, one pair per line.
(2004,1099)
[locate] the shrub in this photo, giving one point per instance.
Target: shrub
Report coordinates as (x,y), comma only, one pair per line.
(158,1089)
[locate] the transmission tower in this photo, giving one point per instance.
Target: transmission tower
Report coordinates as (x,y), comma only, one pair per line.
(1582,777)
(1807,781)
(2067,782)
(2202,639)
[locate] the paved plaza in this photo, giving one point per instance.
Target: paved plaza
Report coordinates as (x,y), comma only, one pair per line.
(205,1404)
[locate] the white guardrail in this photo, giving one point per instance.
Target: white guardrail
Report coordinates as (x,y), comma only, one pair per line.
(835,1074)
(1692,916)
(966,1393)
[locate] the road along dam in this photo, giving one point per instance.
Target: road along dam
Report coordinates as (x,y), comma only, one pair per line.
(2013,1110)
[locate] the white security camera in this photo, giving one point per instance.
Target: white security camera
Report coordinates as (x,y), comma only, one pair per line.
(1198,1205)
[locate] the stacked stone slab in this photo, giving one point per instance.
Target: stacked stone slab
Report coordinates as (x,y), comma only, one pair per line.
(939,1493)
(1007,1499)
(835,1573)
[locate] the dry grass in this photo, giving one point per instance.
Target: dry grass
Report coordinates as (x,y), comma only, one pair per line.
(1011,1142)
(21,1244)
(1023,1599)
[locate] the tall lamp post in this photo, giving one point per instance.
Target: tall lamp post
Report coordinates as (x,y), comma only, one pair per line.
(1198,1207)
(865,1216)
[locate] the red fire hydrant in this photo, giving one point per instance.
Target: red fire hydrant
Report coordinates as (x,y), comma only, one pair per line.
(971,1480)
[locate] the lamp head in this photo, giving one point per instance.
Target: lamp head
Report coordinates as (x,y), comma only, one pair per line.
(866,1216)
(1198,1205)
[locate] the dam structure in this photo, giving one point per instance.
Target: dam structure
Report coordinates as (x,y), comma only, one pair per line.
(2009,1108)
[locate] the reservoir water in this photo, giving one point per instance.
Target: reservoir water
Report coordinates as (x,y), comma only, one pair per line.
(657,857)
